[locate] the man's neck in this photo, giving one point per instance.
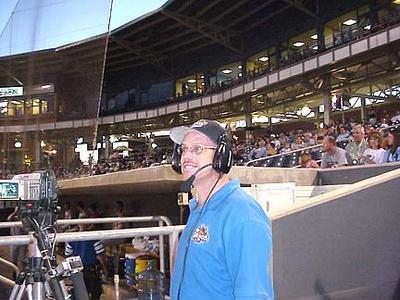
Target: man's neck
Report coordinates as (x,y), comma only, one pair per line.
(203,191)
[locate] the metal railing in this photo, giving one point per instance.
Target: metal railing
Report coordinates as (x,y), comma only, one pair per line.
(257,160)
(22,240)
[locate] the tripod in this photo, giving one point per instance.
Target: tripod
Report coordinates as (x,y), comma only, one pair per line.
(41,279)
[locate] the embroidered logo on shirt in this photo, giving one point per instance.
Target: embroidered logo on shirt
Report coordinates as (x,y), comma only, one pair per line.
(200,235)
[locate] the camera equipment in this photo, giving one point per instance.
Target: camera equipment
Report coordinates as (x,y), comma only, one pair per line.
(36,198)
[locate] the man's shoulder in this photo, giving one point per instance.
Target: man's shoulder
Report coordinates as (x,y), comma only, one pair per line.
(341,151)
(243,206)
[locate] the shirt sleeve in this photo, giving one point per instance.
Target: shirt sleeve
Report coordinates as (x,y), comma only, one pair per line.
(248,256)
(323,161)
(342,160)
(98,247)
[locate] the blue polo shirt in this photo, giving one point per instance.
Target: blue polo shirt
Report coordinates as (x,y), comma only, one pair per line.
(229,250)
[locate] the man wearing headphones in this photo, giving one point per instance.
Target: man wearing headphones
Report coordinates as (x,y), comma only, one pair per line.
(224,251)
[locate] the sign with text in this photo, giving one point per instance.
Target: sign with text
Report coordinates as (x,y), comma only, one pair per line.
(11,91)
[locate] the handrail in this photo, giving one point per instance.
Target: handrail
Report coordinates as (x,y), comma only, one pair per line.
(161,220)
(10,264)
(165,219)
(281,154)
(172,231)
(6,280)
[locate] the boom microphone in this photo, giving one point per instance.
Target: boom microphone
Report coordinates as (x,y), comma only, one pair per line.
(187,184)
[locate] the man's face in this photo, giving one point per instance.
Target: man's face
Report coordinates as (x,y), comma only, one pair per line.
(358,135)
(192,160)
(328,147)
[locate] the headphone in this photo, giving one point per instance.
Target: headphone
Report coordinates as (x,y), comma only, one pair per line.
(222,161)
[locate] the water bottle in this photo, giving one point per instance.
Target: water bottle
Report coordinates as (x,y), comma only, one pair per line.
(150,283)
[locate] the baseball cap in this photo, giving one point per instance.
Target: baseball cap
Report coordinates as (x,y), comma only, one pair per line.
(208,128)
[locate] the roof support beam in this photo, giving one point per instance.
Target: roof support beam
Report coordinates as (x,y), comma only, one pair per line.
(144,54)
(216,34)
(300,6)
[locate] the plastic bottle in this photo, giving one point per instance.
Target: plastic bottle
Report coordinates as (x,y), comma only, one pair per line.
(150,283)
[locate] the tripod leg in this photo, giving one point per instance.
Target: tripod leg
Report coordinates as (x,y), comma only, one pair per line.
(19,286)
(17,292)
(29,291)
(38,291)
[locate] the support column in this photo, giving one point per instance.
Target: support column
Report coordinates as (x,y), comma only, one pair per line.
(249,122)
(363,110)
(321,36)
(327,102)
(244,68)
(373,13)
(37,150)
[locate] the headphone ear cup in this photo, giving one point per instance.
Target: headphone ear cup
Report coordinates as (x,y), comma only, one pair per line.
(176,160)
(222,161)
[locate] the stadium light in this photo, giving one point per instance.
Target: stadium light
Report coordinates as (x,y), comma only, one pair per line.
(299,44)
(191,80)
(349,22)
(227,71)
(263,58)
(314,37)
(305,111)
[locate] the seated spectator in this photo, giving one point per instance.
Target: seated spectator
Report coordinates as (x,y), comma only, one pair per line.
(374,154)
(305,161)
(285,148)
(343,133)
(392,154)
(334,156)
(275,141)
(358,145)
(259,152)
(298,143)
(308,140)
(271,149)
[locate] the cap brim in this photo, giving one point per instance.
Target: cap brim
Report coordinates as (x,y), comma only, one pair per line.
(178,133)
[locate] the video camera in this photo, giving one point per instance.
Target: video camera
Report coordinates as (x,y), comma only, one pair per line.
(35,194)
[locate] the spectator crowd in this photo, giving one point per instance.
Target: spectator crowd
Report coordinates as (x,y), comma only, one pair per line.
(333,145)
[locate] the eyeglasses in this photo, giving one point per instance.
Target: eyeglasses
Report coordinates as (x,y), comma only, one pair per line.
(196,149)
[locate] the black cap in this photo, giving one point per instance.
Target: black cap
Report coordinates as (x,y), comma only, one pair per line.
(209,128)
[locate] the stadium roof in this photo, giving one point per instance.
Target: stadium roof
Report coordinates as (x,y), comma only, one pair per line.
(181,35)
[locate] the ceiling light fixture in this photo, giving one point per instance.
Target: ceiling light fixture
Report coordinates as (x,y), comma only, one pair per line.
(227,71)
(314,37)
(315,47)
(263,58)
(299,44)
(191,80)
(349,22)
(239,67)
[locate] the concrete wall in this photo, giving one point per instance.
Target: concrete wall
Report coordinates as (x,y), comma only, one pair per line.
(353,174)
(346,248)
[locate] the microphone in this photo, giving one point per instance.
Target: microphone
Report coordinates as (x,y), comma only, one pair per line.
(187,184)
